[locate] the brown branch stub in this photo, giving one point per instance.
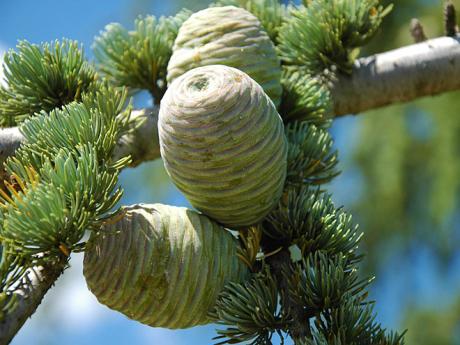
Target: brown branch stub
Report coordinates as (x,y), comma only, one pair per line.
(417,31)
(450,19)
(33,288)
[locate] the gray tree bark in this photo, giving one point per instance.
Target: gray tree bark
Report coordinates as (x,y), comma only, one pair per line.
(424,69)
(29,295)
(142,143)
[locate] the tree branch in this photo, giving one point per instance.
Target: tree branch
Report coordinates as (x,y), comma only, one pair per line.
(10,139)
(424,69)
(29,295)
(142,143)
(402,75)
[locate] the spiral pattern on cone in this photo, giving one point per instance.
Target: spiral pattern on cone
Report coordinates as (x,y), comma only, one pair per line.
(223,144)
(228,36)
(161,265)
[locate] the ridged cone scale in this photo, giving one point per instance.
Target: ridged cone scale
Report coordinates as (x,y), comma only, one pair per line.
(161,265)
(228,36)
(223,144)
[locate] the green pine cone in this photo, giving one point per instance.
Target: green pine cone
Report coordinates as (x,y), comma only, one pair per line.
(161,265)
(223,144)
(228,36)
